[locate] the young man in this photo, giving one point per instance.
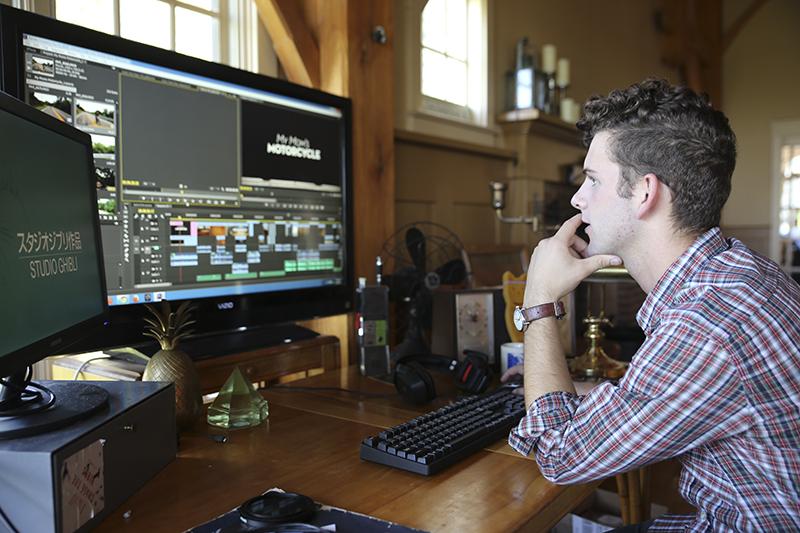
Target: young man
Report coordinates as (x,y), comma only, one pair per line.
(717,381)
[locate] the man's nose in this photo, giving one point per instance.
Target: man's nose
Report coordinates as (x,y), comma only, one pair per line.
(577,201)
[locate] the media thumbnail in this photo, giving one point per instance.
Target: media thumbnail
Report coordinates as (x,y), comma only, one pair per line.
(43,65)
(54,105)
(98,116)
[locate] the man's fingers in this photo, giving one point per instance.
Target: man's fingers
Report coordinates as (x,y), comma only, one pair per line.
(568,228)
(511,372)
(596,262)
(579,245)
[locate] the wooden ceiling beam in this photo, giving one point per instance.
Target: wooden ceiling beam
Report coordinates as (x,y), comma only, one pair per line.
(691,41)
(294,43)
(740,23)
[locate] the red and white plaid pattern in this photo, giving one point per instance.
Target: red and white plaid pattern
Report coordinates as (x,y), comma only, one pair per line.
(716,384)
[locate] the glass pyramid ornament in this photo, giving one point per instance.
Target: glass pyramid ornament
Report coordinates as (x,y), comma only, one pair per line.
(237,405)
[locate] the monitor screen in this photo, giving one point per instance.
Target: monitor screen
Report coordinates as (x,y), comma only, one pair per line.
(50,260)
(214,184)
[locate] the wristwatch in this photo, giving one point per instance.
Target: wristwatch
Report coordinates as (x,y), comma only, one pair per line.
(523,317)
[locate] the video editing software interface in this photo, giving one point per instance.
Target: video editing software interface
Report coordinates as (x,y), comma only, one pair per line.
(205,188)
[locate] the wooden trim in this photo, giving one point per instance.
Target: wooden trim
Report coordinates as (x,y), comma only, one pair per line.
(295,46)
(421,139)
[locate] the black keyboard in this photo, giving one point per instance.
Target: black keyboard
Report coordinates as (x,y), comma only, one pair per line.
(431,442)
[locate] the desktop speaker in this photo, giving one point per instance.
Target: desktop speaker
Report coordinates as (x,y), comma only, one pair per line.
(373,330)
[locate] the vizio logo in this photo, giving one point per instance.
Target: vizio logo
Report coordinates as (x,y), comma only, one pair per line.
(225,305)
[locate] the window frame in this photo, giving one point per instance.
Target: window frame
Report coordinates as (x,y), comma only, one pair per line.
(238,45)
(477,111)
(784,132)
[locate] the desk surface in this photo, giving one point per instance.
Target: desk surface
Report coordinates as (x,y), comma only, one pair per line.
(310,445)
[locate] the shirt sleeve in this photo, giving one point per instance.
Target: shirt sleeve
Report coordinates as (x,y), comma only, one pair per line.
(672,523)
(681,391)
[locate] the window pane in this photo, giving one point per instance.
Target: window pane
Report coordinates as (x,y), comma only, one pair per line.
(457,29)
(196,34)
(434,25)
(146,21)
(786,155)
(794,165)
(434,75)
(209,5)
(456,86)
(94,14)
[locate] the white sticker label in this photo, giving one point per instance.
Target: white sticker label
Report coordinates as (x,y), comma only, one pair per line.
(82,487)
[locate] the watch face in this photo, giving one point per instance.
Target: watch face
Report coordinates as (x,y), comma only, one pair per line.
(519,320)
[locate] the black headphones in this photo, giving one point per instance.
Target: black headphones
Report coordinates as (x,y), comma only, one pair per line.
(415,384)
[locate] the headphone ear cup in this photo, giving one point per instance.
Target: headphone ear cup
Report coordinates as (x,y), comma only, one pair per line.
(473,372)
(414,383)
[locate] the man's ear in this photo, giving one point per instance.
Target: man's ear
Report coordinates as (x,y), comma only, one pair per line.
(649,195)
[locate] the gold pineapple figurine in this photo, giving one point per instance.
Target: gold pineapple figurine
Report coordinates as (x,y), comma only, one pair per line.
(171,364)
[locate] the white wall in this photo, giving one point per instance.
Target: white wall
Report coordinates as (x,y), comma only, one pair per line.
(761,84)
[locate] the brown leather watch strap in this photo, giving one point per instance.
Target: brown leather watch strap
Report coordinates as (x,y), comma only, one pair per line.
(536,312)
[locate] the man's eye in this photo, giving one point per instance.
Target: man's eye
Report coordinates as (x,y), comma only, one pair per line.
(591,181)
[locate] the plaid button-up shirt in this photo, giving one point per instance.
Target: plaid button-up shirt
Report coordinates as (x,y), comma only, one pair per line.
(716,384)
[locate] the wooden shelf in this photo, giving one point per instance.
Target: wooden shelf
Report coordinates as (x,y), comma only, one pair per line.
(537,123)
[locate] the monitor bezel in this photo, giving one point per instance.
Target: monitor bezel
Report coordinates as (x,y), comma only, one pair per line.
(220,314)
(18,360)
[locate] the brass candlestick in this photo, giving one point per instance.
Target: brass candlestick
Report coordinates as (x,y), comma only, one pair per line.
(594,362)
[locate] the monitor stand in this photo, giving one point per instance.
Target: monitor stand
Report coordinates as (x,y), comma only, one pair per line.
(73,401)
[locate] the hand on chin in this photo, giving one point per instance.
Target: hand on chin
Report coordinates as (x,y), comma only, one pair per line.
(561,262)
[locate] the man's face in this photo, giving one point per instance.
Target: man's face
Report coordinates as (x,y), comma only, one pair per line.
(610,217)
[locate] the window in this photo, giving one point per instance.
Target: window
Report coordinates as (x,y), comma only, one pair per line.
(789,207)
(453,72)
(215,30)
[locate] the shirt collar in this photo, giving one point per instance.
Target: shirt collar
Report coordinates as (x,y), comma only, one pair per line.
(668,286)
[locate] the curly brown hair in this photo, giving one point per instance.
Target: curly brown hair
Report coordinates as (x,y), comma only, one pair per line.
(674,133)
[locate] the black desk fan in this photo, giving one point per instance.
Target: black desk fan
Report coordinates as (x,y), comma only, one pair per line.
(426,255)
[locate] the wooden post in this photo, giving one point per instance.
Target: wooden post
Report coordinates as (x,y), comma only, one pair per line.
(329,45)
(691,40)
(337,45)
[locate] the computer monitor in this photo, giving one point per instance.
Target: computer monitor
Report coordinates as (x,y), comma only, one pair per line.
(215,184)
(50,264)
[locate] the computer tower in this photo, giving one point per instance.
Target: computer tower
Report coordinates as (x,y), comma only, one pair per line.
(70,478)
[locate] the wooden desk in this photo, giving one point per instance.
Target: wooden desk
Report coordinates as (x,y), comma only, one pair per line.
(310,445)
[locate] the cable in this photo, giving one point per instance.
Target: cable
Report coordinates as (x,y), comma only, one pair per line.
(85,364)
(332,389)
(26,402)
